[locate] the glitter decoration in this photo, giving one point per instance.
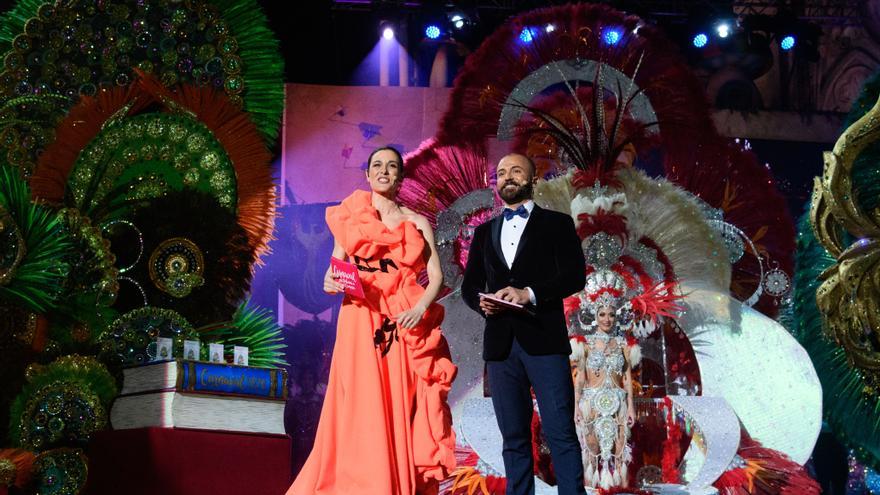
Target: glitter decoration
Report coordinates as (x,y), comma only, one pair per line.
(732,239)
(131,339)
(128,154)
(872,481)
(93,275)
(81,47)
(176,266)
(602,250)
(718,426)
(26,126)
(777,283)
(855,483)
(789,415)
(109,227)
(648,257)
(201,270)
(32,247)
(668,216)
(851,396)
(61,414)
(476,414)
(60,472)
(12,246)
(63,403)
(137,287)
(850,291)
(455,228)
(735,241)
(569,70)
(8,471)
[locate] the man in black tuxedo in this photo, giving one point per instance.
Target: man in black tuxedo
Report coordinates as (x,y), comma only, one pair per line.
(528,256)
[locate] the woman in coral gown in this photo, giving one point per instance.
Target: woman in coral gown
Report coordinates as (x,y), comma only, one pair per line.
(385,427)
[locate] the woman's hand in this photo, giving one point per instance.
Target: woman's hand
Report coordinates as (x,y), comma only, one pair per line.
(411,317)
(630,418)
(578,414)
(331,286)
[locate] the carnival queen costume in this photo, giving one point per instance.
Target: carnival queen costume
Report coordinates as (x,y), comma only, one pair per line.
(626,276)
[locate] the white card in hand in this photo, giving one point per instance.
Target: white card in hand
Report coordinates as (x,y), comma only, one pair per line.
(501,302)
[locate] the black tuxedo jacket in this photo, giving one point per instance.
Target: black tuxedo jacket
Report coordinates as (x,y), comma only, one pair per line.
(549,260)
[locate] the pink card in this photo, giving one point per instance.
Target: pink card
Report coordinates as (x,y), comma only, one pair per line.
(347,274)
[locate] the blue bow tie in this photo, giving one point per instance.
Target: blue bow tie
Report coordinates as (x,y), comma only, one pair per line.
(521,211)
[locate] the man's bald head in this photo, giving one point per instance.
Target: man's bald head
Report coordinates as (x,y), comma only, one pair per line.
(515,176)
(512,159)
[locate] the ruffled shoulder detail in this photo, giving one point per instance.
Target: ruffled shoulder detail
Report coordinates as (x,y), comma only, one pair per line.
(340,216)
(356,225)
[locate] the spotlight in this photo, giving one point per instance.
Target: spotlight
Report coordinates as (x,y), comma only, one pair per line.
(611,36)
(527,35)
(723,30)
(388,33)
(549,28)
(700,40)
(432,32)
(457,20)
(787,42)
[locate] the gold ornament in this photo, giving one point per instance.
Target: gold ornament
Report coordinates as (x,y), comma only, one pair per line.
(7,472)
(177,266)
(849,296)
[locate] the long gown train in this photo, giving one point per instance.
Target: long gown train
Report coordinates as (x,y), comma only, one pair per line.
(385,426)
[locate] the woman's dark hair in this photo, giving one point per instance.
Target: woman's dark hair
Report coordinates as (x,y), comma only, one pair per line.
(389,148)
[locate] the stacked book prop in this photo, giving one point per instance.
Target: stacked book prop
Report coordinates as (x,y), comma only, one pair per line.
(201,395)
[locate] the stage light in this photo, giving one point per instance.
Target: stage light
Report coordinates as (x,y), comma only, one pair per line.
(787,42)
(432,32)
(388,33)
(526,35)
(457,20)
(723,30)
(700,40)
(611,36)
(549,28)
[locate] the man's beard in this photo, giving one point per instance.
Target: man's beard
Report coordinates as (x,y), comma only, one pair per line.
(513,196)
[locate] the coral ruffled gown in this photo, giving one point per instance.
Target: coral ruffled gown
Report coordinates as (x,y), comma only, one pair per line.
(385,427)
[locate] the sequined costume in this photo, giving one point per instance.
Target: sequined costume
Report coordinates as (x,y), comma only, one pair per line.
(603,407)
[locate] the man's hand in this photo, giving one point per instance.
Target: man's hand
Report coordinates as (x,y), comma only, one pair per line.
(514,295)
(489,307)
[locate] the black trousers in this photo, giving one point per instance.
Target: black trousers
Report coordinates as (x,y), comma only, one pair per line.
(510,381)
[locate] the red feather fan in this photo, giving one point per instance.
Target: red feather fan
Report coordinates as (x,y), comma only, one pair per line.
(657,301)
(765,472)
(730,178)
(502,61)
(694,155)
(436,176)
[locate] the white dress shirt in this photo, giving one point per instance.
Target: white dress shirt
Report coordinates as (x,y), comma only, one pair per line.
(511,232)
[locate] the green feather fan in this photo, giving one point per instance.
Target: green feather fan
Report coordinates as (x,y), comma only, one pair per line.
(62,404)
(36,279)
(225,43)
(254,328)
